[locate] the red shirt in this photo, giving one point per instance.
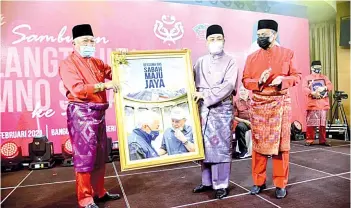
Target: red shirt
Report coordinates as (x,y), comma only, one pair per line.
(280,60)
(79,75)
(241,110)
(316,104)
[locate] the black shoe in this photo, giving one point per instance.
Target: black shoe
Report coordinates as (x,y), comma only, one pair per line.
(243,155)
(221,193)
(280,193)
(93,205)
(257,189)
(235,155)
(326,144)
(108,197)
(202,188)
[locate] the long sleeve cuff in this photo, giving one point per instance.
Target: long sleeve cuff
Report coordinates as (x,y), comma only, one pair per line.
(207,96)
(287,82)
(252,84)
(207,103)
(90,88)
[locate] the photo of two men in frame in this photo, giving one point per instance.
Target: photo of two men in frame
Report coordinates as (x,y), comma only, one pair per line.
(157,118)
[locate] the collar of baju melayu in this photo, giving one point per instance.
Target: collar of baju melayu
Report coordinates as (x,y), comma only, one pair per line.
(272,49)
(217,56)
(315,75)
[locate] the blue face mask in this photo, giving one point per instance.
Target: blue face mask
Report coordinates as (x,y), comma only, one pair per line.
(87,51)
(154,134)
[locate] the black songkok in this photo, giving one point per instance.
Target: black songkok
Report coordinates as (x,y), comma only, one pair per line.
(82,30)
(214,29)
(316,63)
(267,24)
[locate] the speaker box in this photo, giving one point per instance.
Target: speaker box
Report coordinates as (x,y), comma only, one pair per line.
(345,32)
(12,164)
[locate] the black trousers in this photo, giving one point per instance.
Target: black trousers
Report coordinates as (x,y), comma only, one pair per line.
(240,131)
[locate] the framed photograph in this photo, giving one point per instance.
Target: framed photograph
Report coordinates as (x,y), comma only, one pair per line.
(316,83)
(157,120)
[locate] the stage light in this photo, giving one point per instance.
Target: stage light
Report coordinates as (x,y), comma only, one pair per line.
(9,150)
(67,153)
(41,153)
(11,156)
(68,146)
(296,131)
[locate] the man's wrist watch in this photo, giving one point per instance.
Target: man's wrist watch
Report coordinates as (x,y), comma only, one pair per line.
(186,142)
(101,86)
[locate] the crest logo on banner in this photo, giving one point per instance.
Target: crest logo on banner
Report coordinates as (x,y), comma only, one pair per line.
(200,30)
(168,29)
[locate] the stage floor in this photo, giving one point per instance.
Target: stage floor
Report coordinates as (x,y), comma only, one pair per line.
(319,177)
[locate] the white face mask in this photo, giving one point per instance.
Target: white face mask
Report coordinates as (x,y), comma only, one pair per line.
(216,47)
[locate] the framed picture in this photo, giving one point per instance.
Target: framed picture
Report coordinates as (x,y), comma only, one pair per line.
(315,84)
(157,120)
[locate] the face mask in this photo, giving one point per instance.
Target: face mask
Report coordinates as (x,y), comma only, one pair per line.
(87,51)
(263,42)
(317,70)
(154,134)
(215,47)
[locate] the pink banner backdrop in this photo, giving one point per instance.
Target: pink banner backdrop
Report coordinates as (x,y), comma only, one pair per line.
(35,39)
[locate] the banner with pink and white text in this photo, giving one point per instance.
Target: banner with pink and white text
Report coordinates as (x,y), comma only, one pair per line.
(36,36)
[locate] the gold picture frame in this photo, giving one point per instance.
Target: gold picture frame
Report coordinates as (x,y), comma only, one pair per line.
(158,83)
